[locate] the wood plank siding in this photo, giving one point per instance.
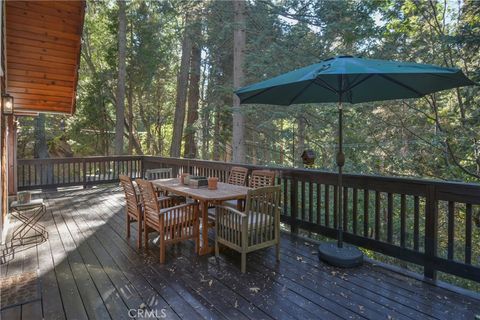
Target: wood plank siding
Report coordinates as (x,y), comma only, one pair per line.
(43,40)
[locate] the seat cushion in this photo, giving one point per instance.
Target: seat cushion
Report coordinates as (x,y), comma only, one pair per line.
(263,221)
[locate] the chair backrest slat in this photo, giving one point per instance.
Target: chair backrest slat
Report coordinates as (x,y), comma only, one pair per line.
(151,207)
(262,178)
(130,195)
(238,176)
(161,173)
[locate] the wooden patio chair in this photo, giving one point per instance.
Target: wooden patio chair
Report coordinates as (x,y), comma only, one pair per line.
(262,178)
(173,224)
(238,176)
(256,228)
(133,207)
(161,173)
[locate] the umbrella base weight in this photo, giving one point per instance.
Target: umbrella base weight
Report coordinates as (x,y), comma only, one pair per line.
(345,257)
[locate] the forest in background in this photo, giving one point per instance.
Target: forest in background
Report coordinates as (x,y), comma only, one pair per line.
(165,71)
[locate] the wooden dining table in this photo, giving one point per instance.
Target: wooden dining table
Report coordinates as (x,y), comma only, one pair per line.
(205,197)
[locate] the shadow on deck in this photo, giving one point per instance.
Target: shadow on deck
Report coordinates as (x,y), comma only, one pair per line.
(88,269)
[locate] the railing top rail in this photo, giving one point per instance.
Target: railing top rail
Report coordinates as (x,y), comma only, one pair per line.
(80,159)
(410,184)
(307,173)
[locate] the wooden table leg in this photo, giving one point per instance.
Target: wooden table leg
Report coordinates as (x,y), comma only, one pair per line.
(205,248)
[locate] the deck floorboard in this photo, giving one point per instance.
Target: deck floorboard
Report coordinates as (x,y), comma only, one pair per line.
(88,269)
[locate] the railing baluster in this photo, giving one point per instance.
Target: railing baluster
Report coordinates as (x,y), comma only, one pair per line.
(294,204)
(335,204)
(377,215)
(431,228)
(319,203)
(416,222)
(345,209)
(354,210)
(327,205)
(285,195)
(451,229)
(390,217)
(310,201)
(403,219)
(366,205)
(302,200)
(468,233)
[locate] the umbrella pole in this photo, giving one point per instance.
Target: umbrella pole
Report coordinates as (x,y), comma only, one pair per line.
(340,163)
(335,253)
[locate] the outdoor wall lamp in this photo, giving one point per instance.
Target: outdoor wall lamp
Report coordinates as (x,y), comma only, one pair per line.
(7,102)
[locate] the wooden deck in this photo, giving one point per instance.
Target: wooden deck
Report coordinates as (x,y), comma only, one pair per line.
(88,269)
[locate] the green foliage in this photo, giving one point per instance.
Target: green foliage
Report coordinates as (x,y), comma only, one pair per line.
(433,137)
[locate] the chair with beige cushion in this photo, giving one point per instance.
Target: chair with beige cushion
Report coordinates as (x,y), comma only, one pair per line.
(238,177)
(256,228)
(262,178)
(173,224)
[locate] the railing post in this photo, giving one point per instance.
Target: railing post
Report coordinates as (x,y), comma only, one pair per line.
(431,232)
(84,173)
(294,205)
(142,166)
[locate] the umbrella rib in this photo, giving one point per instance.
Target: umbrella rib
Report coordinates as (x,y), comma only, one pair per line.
(361,81)
(256,94)
(402,85)
(301,91)
(325,85)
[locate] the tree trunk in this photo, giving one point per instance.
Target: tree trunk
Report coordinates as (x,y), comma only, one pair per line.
(239,39)
(300,141)
(130,120)
(216,134)
(41,147)
(120,96)
(190,150)
(182,85)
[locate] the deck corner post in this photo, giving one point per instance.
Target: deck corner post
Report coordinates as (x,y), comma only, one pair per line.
(431,232)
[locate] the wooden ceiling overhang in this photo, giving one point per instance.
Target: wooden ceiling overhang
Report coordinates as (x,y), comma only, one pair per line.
(43,42)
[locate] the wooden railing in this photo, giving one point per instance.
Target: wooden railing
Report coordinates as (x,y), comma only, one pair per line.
(425,222)
(64,172)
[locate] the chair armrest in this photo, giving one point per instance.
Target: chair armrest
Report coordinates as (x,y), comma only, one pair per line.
(185,205)
(232,210)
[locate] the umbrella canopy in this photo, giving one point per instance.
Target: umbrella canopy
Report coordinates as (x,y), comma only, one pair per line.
(354,80)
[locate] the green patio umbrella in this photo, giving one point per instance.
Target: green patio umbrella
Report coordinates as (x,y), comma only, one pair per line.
(353,80)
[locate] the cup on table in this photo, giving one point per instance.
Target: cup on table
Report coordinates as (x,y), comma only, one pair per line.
(212,183)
